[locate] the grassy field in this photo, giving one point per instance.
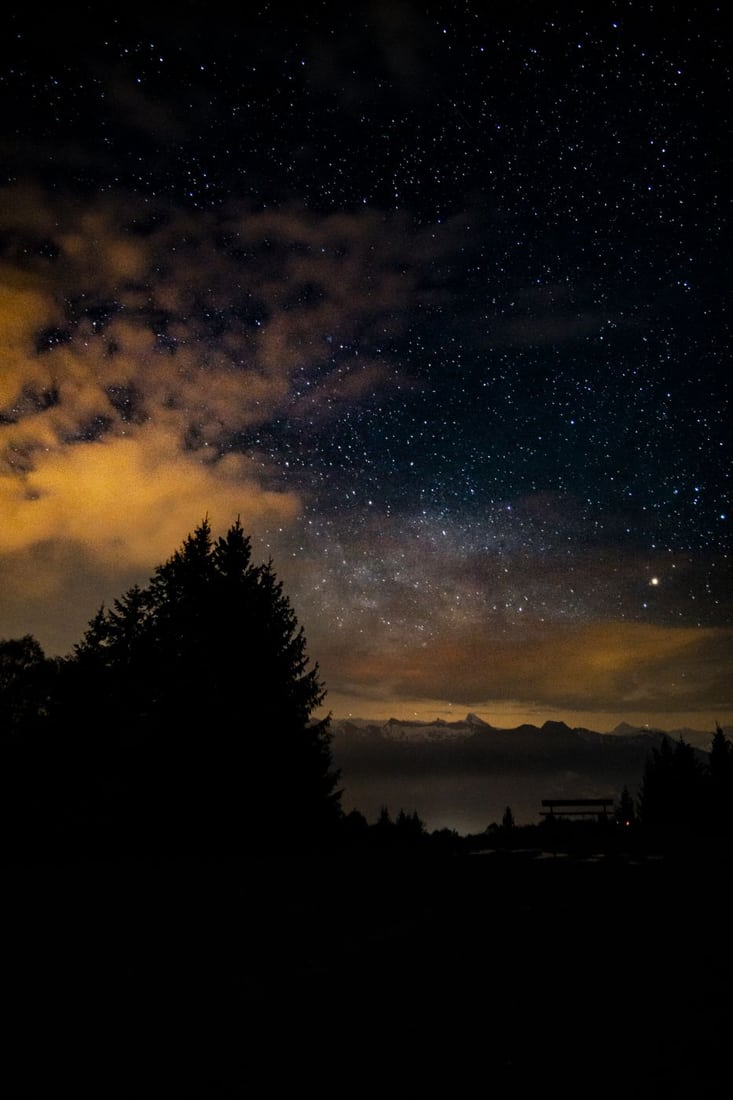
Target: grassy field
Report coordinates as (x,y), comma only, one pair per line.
(497,974)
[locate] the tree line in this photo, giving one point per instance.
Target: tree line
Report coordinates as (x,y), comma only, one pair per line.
(682,788)
(181,723)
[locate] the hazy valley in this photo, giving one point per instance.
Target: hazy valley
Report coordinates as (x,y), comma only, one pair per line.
(462,774)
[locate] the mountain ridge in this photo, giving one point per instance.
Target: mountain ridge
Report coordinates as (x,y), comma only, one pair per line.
(462,774)
(439,729)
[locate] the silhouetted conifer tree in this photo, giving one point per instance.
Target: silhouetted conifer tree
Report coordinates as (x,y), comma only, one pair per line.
(625,811)
(200,681)
(26,684)
(355,827)
(410,825)
(720,771)
(672,787)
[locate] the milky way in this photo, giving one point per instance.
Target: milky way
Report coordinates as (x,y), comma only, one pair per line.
(434,296)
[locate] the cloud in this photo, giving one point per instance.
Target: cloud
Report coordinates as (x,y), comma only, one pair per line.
(625,667)
(388,53)
(116,312)
(139,342)
(124,498)
(137,109)
(211,324)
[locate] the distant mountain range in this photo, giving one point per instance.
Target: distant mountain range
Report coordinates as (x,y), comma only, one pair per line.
(463,774)
(699,738)
(439,730)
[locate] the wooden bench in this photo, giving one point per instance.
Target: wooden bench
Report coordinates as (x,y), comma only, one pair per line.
(599,808)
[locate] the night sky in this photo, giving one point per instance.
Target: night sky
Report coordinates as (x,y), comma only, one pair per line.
(434,296)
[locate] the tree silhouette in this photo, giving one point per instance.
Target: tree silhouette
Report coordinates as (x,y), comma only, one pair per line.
(410,827)
(673,786)
(198,685)
(26,681)
(625,811)
(720,771)
(683,790)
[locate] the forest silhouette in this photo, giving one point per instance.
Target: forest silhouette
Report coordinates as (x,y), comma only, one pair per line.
(187,900)
(180,726)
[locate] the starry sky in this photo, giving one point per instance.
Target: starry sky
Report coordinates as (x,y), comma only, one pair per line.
(434,295)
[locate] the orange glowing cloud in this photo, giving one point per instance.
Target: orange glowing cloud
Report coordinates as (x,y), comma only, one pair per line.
(117,297)
(599,666)
(123,498)
(121,390)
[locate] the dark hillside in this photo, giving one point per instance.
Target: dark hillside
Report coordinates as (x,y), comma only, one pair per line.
(411,970)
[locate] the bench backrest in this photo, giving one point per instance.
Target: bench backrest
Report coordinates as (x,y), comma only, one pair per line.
(577,807)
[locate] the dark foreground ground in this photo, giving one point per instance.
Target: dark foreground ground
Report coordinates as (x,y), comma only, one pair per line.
(495,975)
